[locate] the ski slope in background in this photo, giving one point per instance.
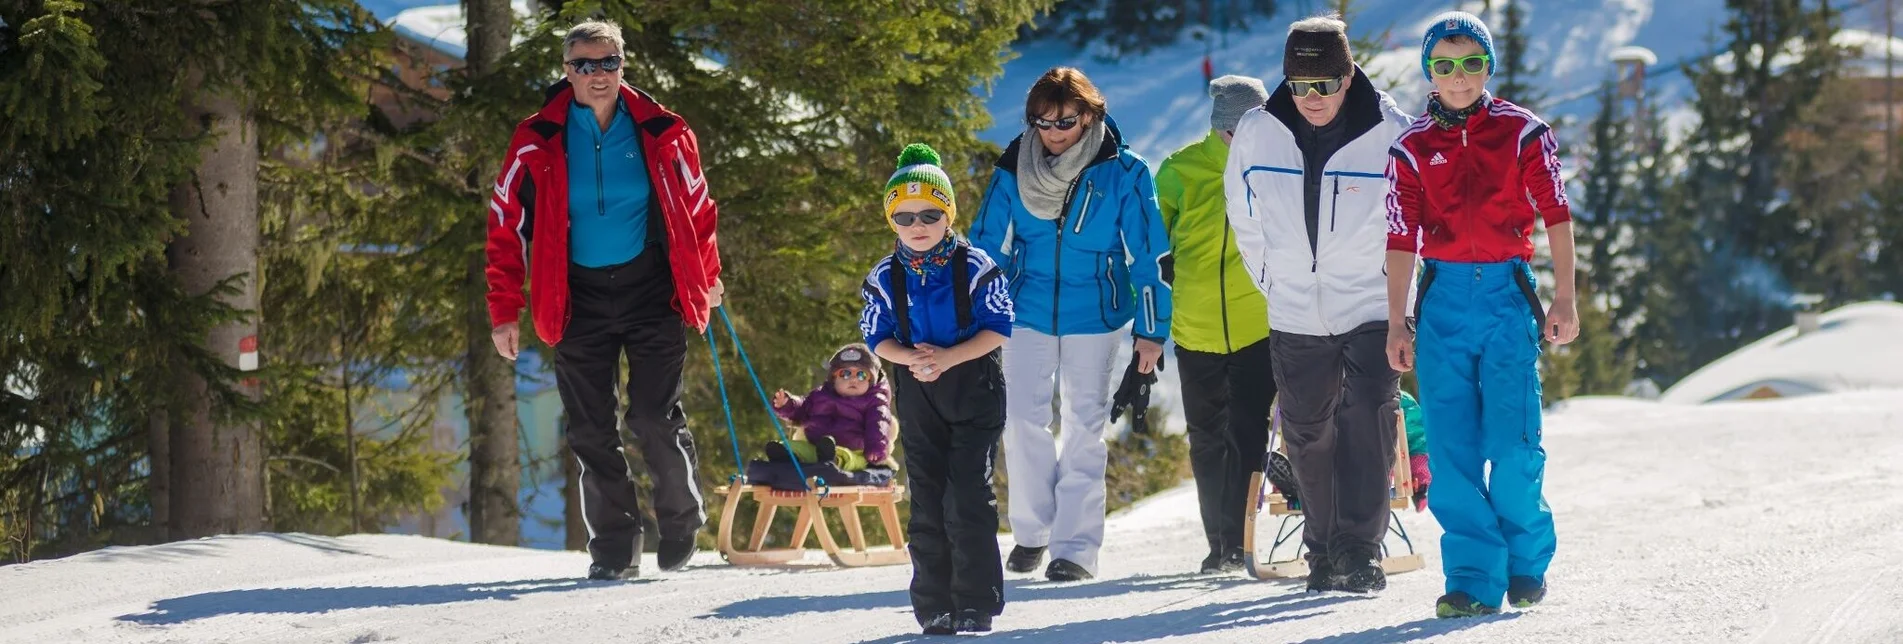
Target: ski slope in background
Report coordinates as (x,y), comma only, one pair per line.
(1772,522)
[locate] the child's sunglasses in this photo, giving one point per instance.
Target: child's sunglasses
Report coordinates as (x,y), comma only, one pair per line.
(1062,125)
(1325,88)
(1472,65)
(927,217)
(854,374)
(588,66)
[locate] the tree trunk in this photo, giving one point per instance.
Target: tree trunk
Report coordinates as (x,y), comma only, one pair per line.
(216,476)
(158,485)
(495,474)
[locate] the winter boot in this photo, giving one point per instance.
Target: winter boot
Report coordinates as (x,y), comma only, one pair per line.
(1232,560)
(1322,576)
(1212,564)
(938,624)
(826,449)
(972,620)
(1361,572)
(674,553)
(1024,559)
(1525,592)
(1064,570)
(1459,604)
(598,572)
(776,453)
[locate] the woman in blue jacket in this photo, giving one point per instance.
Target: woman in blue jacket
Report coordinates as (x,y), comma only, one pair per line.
(1071,213)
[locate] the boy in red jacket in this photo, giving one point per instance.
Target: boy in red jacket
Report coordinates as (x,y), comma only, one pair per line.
(1466,185)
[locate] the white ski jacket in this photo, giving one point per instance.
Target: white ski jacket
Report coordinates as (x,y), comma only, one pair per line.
(1341,282)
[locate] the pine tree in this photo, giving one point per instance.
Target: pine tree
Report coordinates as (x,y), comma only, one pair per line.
(1515,73)
(1115,28)
(1749,101)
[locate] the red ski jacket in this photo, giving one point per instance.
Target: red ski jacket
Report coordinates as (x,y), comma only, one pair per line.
(1471,194)
(528,226)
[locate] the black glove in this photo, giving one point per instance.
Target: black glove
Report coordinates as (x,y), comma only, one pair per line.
(1134,393)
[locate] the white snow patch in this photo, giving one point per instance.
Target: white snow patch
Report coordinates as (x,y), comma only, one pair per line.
(1725,523)
(1855,348)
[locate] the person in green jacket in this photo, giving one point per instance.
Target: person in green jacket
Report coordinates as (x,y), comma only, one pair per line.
(1221,326)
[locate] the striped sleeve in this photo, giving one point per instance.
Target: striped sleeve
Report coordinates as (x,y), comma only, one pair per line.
(1540,172)
(1404,198)
(990,295)
(876,320)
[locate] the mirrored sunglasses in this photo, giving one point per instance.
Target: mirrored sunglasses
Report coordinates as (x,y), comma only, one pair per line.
(589,66)
(1062,125)
(852,374)
(1325,88)
(927,217)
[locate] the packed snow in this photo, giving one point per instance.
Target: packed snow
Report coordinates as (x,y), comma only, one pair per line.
(1853,348)
(1739,522)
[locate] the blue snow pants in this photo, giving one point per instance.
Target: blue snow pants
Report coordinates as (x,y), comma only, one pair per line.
(1477,354)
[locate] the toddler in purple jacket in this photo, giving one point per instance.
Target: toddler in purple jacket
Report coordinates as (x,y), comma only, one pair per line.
(846,420)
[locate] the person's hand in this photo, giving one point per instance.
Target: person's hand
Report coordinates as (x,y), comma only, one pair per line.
(1400,348)
(716,294)
(1562,321)
(780,397)
(1148,352)
(508,339)
(927,363)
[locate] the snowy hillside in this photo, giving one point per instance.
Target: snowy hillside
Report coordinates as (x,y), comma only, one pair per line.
(1764,522)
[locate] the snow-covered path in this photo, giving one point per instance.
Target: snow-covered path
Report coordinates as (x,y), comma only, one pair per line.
(1763,522)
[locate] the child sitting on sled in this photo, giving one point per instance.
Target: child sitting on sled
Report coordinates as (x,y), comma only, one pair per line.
(846,420)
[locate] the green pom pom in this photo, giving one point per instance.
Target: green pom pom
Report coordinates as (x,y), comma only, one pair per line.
(918,153)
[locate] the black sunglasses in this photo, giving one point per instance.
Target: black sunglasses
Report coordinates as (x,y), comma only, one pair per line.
(1062,125)
(927,217)
(588,66)
(1325,88)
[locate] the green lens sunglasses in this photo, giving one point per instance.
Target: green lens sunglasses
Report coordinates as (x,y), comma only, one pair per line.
(1472,65)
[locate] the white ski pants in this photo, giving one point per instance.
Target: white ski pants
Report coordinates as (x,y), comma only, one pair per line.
(1056,482)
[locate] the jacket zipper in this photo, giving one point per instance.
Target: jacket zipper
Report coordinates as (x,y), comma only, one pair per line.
(1110,273)
(601,198)
(1334,204)
(1057,261)
(1222,289)
(1473,246)
(1083,212)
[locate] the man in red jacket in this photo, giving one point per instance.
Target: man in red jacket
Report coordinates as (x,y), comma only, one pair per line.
(601,201)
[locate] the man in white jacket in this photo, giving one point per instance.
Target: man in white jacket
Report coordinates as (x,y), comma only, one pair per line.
(1306,189)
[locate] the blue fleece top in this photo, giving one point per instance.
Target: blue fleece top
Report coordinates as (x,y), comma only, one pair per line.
(934,312)
(608,189)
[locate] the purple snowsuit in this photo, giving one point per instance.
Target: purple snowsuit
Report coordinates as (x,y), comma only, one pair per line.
(856,422)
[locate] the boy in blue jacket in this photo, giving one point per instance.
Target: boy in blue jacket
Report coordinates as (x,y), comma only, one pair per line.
(938,310)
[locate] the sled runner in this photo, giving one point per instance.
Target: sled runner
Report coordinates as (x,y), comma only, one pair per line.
(811,501)
(812,522)
(1265,565)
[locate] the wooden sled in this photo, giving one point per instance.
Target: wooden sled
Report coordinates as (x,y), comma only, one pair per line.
(1266,566)
(812,520)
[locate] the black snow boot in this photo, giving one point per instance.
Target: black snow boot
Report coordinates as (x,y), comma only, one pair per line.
(1459,604)
(1361,571)
(598,572)
(1525,592)
(825,449)
(1064,570)
(1212,564)
(674,553)
(1232,560)
(971,620)
(1322,576)
(1024,559)
(776,453)
(938,624)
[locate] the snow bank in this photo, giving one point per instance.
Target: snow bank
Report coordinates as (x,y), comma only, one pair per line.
(1856,347)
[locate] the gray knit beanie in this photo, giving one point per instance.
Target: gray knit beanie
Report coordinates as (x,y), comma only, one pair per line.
(1234,95)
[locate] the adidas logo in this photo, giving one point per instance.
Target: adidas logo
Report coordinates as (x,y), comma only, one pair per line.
(1437,160)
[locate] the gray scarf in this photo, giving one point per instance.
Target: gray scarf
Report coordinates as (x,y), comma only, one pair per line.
(1044,180)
